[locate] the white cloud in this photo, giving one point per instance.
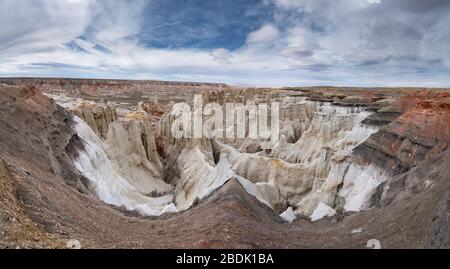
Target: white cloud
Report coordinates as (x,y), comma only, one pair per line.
(266,33)
(34,25)
(306,43)
(222,56)
(289,3)
(116,20)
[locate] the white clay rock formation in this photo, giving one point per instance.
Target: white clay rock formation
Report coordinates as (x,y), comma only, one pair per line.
(348,165)
(311,167)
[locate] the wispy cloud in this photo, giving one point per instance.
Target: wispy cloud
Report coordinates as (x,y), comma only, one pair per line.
(267,42)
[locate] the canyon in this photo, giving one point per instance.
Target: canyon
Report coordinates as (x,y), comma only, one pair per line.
(96,161)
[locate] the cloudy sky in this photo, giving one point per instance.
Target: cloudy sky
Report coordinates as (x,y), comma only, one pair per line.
(253,42)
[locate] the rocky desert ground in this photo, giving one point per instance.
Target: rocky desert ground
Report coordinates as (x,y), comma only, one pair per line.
(95,161)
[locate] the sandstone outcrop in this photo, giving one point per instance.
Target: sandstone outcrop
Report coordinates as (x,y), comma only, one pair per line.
(97,117)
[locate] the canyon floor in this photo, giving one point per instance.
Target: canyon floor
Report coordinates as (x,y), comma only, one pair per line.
(94,161)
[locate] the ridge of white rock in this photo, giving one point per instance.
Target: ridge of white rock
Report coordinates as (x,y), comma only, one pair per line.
(319,167)
(121,176)
(277,180)
(358,186)
(216,178)
(194,168)
(132,147)
(331,127)
(113,185)
(332,134)
(322,211)
(311,169)
(288,215)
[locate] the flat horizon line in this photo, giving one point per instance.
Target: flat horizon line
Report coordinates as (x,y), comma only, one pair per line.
(216,83)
